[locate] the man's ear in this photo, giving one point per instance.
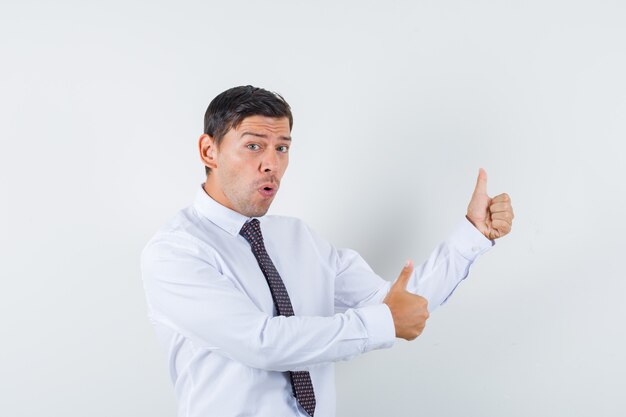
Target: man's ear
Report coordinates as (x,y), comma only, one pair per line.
(207,148)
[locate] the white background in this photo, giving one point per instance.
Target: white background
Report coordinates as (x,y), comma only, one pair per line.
(397,104)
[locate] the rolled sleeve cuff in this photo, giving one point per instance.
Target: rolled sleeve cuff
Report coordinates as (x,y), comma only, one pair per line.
(379,325)
(468,240)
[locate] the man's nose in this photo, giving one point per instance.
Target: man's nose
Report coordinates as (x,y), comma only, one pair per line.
(270,161)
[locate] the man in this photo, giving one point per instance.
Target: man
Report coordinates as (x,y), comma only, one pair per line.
(252,309)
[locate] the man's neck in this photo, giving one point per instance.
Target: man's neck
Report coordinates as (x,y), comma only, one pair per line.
(216,194)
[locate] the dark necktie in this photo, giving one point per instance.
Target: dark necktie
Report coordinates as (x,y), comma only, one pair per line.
(300,380)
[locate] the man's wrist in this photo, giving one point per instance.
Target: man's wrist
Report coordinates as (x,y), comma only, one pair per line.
(469,241)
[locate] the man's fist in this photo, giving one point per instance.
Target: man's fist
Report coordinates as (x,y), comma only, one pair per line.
(493,217)
(409,311)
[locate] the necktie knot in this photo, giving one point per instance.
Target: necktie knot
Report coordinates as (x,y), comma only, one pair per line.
(251,231)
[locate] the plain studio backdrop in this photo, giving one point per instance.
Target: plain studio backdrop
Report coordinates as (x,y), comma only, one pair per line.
(396,104)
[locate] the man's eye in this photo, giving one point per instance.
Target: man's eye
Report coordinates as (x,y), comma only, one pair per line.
(283,148)
(253,146)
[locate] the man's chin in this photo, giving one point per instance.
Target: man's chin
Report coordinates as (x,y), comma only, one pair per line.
(257,211)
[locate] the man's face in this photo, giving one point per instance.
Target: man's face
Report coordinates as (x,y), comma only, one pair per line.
(249,165)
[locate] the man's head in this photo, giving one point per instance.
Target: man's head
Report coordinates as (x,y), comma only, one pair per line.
(245,148)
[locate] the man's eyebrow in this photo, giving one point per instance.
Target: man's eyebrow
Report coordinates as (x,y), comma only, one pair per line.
(260,135)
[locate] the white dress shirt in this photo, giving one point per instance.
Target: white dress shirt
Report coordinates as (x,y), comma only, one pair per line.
(214,314)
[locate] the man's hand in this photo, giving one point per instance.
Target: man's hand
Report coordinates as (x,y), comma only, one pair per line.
(409,311)
(493,217)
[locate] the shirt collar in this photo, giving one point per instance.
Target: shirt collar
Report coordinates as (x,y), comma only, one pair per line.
(223,217)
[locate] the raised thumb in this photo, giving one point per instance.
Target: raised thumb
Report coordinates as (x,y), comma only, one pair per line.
(404,277)
(481,182)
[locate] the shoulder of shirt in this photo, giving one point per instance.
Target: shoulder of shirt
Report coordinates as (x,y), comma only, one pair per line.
(183,228)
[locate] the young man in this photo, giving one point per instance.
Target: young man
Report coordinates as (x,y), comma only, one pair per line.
(253,310)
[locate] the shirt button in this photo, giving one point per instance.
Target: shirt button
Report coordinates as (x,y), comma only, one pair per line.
(475,248)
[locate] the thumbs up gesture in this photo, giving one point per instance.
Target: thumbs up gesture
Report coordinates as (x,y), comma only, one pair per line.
(409,311)
(493,217)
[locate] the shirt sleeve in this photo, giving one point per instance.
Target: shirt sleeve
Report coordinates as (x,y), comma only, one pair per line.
(188,294)
(435,279)
(449,264)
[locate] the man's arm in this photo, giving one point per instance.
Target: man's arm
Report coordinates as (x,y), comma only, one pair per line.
(435,279)
(448,264)
(188,294)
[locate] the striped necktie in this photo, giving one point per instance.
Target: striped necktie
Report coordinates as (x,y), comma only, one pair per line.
(300,380)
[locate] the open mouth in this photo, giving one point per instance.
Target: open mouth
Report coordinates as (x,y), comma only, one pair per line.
(267,191)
